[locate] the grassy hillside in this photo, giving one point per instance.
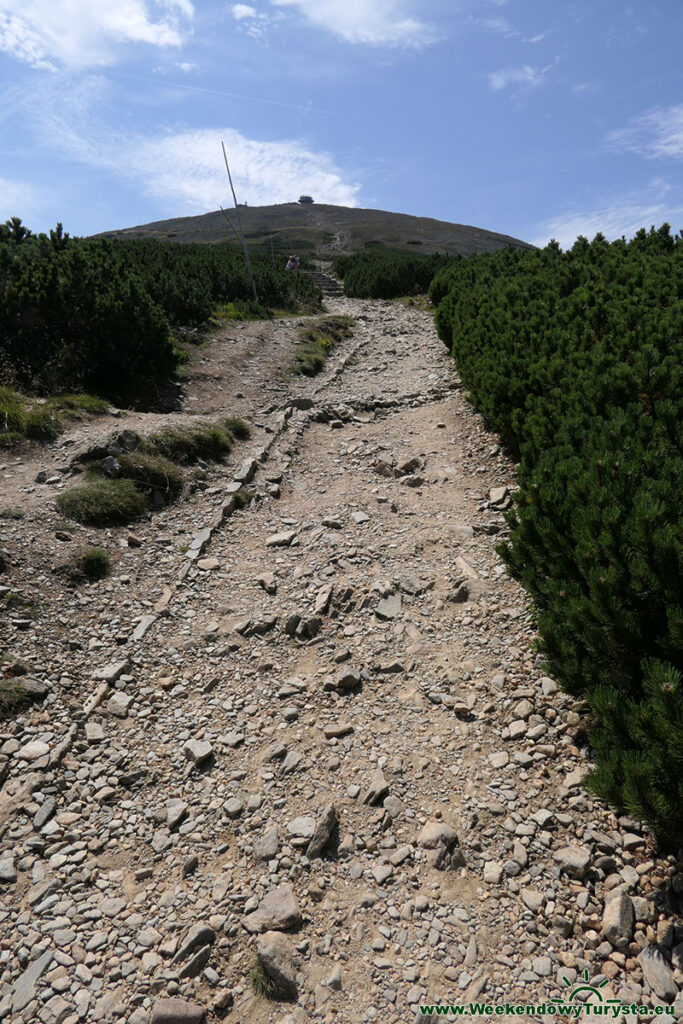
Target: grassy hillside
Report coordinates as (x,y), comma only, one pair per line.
(327,230)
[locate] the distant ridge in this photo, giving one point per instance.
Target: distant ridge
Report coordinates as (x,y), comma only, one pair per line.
(327,230)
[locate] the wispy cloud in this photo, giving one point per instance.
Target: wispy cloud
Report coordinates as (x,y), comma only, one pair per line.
(242,11)
(585,88)
(525,78)
(183,170)
(655,134)
(371,22)
(17,199)
(500,25)
(85,33)
(623,214)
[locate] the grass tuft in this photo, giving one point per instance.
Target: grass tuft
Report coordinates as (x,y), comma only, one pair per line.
(261,983)
(318,341)
(21,420)
(12,513)
(94,564)
(188,443)
(24,606)
(238,428)
(152,473)
(100,502)
(81,403)
(13,698)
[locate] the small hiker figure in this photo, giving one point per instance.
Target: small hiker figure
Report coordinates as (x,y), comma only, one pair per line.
(293,263)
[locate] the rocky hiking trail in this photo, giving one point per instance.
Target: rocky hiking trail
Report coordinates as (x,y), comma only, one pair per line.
(312,733)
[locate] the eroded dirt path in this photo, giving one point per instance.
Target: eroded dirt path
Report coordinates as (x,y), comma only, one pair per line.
(349,651)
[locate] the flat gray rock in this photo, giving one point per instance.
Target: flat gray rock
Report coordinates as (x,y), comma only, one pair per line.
(658,974)
(198,751)
(267,845)
(199,935)
(25,986)
(276,956)
(8,872)
(389,607)
(277,911)
(302,827)
(618,920)
(280,540)
(325,824)
(176,1011)
(573,860)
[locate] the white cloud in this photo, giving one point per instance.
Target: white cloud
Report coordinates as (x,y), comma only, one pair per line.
(86,33)
(585,88)
(183,170)
(242,11)
(526,77)
(372,22)
(622,215)
(255,23)
(656,134)
(186,173)
(500,25)
(17,199)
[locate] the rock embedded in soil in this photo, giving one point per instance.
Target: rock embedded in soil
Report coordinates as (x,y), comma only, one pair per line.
(276,955)
(377,790)
(325,825)
(198,751)
(618,920)
(280,540)
(199,935)
(278,910)
(573,861)
(657,973)
(176,1011)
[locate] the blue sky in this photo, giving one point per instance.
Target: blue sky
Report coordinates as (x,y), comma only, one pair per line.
(536,118)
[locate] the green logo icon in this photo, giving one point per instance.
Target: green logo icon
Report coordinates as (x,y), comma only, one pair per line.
(585,993)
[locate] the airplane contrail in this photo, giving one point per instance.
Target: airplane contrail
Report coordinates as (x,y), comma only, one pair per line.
(303,108)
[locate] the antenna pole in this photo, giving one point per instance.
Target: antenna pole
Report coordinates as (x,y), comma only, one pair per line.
(270,236)
(239,225)
(230,224)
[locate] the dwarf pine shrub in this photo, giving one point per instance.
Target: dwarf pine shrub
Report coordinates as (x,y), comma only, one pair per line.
(576,358)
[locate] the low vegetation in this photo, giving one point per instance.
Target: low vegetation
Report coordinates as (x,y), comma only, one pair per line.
(151,474)
(91,564)
(22,419)
(13,697)
(119,489)
(261,983)
(94,316)
(80,404)
(387,273)
(101,502)
(317,341)
(188,443)
(19,605)
(576,358)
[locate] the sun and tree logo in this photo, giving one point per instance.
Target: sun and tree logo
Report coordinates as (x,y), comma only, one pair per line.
(582,992)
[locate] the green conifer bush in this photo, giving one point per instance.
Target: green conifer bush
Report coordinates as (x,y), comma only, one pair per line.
(387,273)
(576,358)
(94,315)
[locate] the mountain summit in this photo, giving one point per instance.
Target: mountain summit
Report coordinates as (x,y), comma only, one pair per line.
(327,230)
